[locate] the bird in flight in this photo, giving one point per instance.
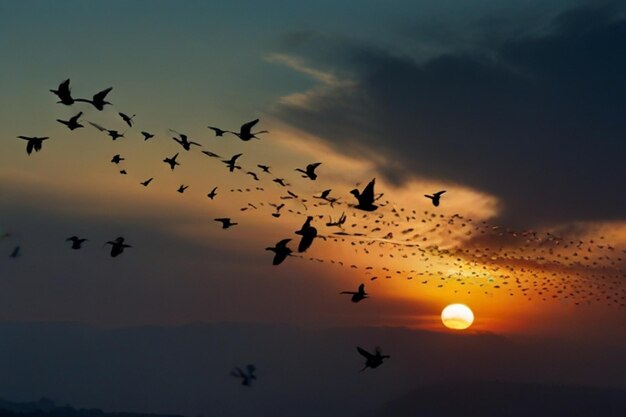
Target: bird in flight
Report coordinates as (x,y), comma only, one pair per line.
(366,198)
(17,252)
(357,295)
(226,222)
(117,159)
(245,132)
(213,193)
(147,135)
(278,207)
(280,181)
(246,376)
(98,99)
(63,92)
(211,154)
(182,188)
(77,242)
(147,182)
(117,246)
(339,222)
(253,175)
(34,143)
(308,233)
(372,360)
(73,122)
(281,251)
(113,133)
(230,163)
(172,161)
(325,196)
(128,119)
(218,131)
(435,197)
(184,141)
(309,172)
(265,168)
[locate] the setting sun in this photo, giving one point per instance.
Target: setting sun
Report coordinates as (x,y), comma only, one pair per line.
(457,317)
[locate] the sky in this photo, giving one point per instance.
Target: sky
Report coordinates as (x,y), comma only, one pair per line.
(514,108)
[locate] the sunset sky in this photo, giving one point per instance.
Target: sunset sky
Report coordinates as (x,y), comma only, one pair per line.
(515,108)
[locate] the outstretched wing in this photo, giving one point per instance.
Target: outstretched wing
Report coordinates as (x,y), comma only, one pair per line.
(102,94)
(368,192)
(247,127)
(97,126)
(364,352)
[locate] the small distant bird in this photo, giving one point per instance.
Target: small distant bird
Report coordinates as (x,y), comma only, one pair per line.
(147,182)
(325,196)
(72,124)
(278,208)
(77,242)
(128,119)
(246,376)
(218,131)
(147,135)
(253,175)
(17,252)
(63,92)
(185,142)
(366,198)
(182,188)
(117,246)
(226,222)
(34,143)
(123,172)
(245,132)
(435,197)
(265,168)
(339,222)
(172,161)
(117,159)
(114,134)
(281,251)
(211,154)
(230,163)
(212,194)
(308,233)
(372,360)
(357,295)
(309,172)
(98,99)
(280,181)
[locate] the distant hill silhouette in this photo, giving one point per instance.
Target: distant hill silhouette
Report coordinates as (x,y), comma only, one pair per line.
(47,408)
(506,399)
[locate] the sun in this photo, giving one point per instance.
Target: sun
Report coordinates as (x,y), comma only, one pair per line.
(457,316)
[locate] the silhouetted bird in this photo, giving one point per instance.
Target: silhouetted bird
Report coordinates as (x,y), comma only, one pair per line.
(123,172)
(372,360)
(218,131)
(212,194)
(172,161)
(358,295)
(245,132)
(325,196)
(182,188)
(17,252)
(280,181)
(339,222)
(63,92)
(128,119)
(77,242)
(246,376)
(98,99)
(253,175)
(308,233)
(366,198)
(147,135)
(230,163)
(147,182)
(211,154)
(117,246)
(265,168)
(117,159)
(226,222)
(281,251)
(435,197)
(73,122)
(185,142)
(278,208)
(114,134)
(34,143)
(309,172)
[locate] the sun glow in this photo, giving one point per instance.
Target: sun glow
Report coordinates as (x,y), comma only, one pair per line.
(457,316)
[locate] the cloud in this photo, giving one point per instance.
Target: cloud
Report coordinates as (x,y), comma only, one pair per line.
(539,124)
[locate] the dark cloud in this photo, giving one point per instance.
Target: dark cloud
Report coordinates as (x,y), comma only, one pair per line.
(540,123)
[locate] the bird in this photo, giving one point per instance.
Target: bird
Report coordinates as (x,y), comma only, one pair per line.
(218,131)
(435,197)
(230,163)
(34,143)
(98,99)
(366,198)
(77,242)
(265,168)
(17,252)
(357,295)
(372,360)
(281,251)
(226,222)
(182,188)
(172,161)
(128,119)
(185,142)
(113,133)
(147,182)
(63,92)
(212,194)
(211,154)
(117,159)
(147,135)
(280,181)
(339,222)
(308,233)
(246,376)
(73,122)
(278,207)
(123,172)
(309,172)
(325,196)
(117,246)
(253,175)
(245,132)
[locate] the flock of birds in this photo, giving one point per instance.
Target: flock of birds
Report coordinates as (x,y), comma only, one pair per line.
(452,251)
